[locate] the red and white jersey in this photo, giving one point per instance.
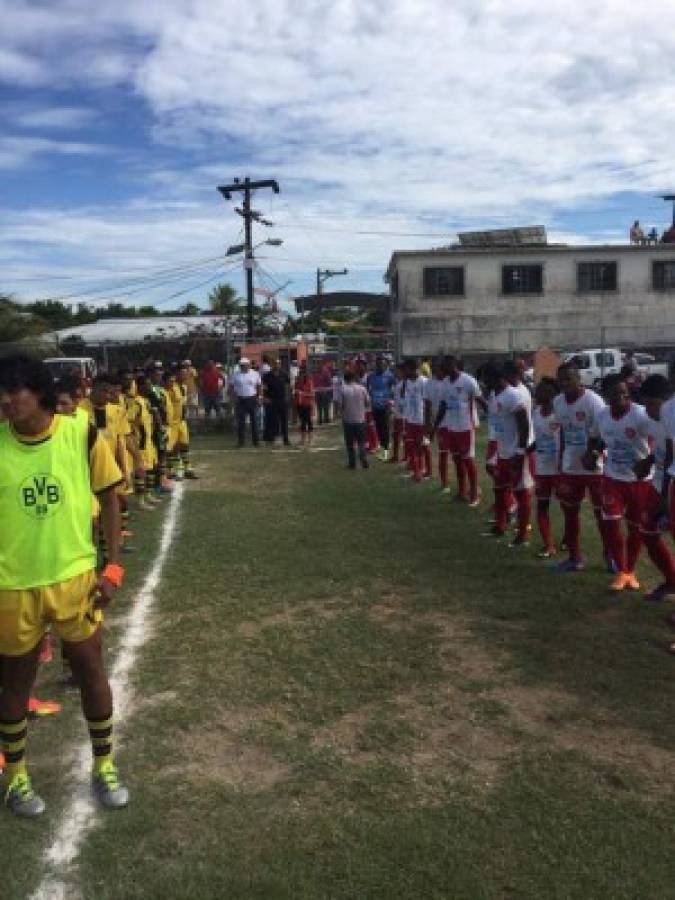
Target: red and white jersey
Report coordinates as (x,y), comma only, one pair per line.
(527,403)
(399,400)
(433,390)
(576,421)
(459,397)
(657,438)
(625,440)
(490,418)
(413,410)
(505,405)
(547,436)
(668,422)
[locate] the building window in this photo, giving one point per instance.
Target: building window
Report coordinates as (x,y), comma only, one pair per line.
(522,279)
(663,276)
(596,276)
(444,281)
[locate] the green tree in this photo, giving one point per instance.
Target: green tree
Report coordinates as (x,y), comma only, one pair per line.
(223,301)
(16,322)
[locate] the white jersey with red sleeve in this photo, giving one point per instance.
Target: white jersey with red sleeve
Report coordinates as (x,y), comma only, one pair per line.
(547,438)
(399,400)
(433,391)
(526,396)
(414,400)
(459,396)
(668,422)
(577,421)
(506,404)
(658,440)
(625,440)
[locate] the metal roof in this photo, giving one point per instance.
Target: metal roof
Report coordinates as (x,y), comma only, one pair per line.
(138,331)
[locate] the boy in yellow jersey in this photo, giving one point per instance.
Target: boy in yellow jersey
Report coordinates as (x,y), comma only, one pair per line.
(158,405)
(49,467)
(183,444)
(139,442)
(173,403)
(145,438)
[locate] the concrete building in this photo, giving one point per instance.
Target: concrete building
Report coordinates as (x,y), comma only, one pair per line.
(511,290)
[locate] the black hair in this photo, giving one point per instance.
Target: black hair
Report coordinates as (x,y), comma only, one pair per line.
(70,384)
(611,381)
(626,371)
(103,379)
(568,366)
(19,371)
(511,369)
(656,387)
(550,382)
(348,377)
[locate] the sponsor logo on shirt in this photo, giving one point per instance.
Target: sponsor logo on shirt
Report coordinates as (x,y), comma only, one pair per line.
(40,496)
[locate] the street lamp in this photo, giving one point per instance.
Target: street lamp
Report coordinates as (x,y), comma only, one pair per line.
(236,249)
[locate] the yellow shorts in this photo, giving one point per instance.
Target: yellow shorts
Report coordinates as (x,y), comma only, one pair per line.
(67,606)
(183,434)
(172,437)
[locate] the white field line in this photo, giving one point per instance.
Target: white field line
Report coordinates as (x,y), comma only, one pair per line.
(80,815)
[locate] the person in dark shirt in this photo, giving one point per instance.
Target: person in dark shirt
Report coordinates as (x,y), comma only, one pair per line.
(276,387)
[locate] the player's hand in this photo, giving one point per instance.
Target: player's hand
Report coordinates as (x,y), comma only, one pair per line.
(589,461)
(642,468)
(105,590)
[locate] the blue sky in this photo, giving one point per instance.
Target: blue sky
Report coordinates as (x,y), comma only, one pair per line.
(389,125)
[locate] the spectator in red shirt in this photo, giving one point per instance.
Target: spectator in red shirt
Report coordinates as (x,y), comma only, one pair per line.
(210,383)
(303,396)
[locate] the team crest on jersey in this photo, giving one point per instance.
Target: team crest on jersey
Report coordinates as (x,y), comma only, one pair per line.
(630,433)
(581,416)
(41,496)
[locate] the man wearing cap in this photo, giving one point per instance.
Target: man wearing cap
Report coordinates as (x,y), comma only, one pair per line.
(246,389)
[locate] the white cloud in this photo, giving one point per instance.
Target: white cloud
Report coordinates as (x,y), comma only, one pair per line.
(407,115)
(55,118)
(18,151)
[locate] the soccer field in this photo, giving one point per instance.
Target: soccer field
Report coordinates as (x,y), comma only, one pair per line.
(346,692)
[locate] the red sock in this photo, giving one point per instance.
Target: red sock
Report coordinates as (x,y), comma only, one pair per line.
(661,556)
(472,472)
(544,524)
(634,544)
(616,543)
(443,468)
(501,508)
(602,528)
(524,501)
(460,471)
(395,440)
(428,465)
(572,531)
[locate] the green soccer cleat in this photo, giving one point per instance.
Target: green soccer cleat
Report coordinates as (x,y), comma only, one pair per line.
(22,799)
(106,787)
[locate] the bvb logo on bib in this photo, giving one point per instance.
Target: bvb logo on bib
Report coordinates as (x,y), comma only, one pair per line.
(41,496)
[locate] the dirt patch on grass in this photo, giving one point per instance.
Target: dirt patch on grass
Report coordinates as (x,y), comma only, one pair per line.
(475,723)
(320,611)
(223,755)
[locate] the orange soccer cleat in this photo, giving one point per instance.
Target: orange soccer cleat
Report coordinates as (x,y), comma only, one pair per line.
(38,709)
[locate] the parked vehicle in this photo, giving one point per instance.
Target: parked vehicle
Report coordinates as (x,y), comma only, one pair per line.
(594,364)
(84,366)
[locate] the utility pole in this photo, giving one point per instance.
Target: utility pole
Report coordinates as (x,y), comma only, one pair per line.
(321,276)
(246,187)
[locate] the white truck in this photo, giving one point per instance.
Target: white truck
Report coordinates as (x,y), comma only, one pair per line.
(595,363)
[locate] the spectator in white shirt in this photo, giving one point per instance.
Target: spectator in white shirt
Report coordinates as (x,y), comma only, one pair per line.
(246,389)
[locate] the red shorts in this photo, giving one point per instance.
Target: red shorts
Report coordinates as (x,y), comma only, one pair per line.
(572,489)
(459,443)
(650,507)
(491,453)
(414,433)
(509,476)
(545,486)
(621,499)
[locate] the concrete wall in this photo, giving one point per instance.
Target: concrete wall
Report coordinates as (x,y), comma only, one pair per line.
(484,320)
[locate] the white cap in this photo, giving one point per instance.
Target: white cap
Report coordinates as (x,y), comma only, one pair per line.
(244,361)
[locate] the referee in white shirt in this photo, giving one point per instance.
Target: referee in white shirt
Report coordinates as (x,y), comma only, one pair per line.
(247,389)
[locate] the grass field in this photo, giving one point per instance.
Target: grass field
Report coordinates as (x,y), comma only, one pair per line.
(348,693)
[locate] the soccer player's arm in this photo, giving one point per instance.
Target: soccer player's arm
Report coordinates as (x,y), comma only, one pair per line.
(523,428)
(105,476)
(594,447)
(643,467)
(442,409)
(667,463)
